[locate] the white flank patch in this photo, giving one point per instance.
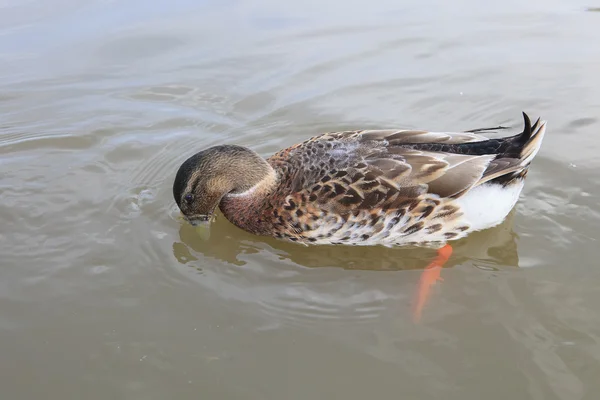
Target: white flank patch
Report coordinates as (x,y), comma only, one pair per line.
(487,205)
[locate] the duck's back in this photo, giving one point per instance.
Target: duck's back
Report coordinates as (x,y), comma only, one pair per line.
(397,187)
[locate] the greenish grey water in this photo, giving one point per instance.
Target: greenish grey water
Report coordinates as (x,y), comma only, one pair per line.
(104,293)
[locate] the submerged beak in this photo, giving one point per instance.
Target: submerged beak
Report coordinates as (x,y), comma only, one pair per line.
(197,220)
(201,223)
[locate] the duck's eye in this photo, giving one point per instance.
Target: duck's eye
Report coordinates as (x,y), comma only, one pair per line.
(188,198)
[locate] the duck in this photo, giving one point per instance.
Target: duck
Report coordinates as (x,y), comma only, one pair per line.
(394,187)
(390,187)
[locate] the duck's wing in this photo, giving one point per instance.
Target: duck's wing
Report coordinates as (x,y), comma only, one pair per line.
(407,136)
(386,168)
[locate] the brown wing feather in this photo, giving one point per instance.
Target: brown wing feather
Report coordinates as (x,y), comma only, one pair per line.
(397,137)
(370,169)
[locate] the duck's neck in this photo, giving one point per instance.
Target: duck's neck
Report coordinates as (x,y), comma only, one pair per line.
(246,209)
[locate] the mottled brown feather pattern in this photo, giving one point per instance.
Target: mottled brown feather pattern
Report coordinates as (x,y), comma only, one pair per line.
(350,189)
(372,186)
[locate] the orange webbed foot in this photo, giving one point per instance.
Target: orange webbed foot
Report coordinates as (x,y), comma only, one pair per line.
(430,275)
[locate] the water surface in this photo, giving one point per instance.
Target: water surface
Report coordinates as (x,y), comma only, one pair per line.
(104,293)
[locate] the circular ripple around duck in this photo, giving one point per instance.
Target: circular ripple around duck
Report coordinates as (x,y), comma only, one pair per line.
(284,293)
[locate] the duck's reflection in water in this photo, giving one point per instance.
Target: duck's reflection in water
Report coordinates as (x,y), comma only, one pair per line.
(492,248)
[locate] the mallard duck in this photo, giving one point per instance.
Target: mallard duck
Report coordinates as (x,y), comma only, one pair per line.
(365,187)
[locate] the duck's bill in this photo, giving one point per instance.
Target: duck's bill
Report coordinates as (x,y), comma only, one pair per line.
(199,220)
(201,224)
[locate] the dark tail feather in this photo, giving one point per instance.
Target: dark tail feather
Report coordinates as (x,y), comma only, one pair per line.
(529,141)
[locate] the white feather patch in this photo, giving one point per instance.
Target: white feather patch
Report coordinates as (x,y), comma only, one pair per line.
(488,205)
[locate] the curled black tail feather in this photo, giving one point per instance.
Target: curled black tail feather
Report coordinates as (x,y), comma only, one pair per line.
(529,141)
(524,136)
(528,130)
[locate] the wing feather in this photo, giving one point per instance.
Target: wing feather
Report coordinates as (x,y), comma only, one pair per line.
(397,137)
(379,168)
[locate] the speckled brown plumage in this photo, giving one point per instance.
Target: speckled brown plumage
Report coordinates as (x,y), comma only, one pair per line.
(387,187)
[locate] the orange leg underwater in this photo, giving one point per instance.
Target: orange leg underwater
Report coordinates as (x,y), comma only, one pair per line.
(430,275)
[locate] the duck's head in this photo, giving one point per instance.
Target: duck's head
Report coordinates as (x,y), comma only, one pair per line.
(206,177)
